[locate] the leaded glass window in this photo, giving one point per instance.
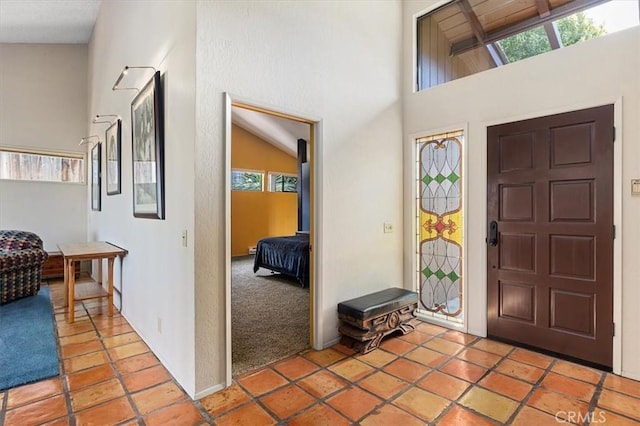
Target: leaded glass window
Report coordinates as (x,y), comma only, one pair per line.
(439,216)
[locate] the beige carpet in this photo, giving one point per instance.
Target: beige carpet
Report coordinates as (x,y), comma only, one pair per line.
(269,316)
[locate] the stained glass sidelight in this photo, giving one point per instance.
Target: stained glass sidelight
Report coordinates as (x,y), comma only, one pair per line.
(439,225)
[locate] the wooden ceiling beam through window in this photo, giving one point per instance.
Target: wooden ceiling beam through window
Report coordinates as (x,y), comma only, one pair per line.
(543,8)
(478,31)
(527,24)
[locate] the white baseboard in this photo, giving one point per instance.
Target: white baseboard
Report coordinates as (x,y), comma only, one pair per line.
(209,391)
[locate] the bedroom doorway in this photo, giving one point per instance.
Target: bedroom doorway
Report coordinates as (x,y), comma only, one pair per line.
(269,234)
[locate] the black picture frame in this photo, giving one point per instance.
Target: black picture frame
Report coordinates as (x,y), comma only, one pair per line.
(113,155)
(96,177)
(147,147)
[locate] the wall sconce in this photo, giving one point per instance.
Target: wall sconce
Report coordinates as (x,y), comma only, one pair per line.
(87,139)
(124,72)
(98,118)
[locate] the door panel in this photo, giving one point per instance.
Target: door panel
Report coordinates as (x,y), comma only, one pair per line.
(550,277)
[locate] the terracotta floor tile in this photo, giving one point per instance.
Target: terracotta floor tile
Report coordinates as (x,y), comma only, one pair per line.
(426,357)
(622,385)
(324,357)
(352,369)
(444,346)
(492,346)
(422,404)
(397,346)
(407,370)
(38,412)
(353,403)
(533,358)
(136,363)
(458,337)
(262,382)
(482,358)
(322,383)
(79,327)
(287,401)
(344,349)
(121,339)
(390,415)
(62,421)
(225,400)
(609,418)
(463,370)
(444,385)
(620,403)
(459,416)
(530,416)
(520,371)
(576,371)
(430,328)
(377,358)
(294,368)
(568,386)
(111,412)
(89,376)
(157,397)
(79,338)
(557,404)
(126,351)
(96,394)
(145,378)
(115,330)
(83,362)
(75,349)
(250,414)
(183,414)
(507,386)
(319,415)
(32,392)
(416,337)
(489,403)
(383,385)
(105,321)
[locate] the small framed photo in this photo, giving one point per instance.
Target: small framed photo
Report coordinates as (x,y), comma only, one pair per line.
(113,138)
(147,128)
(95,177)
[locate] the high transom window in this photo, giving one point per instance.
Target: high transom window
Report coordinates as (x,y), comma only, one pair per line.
(27,165)
(465,37)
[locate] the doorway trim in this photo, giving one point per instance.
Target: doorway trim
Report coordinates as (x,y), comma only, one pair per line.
(315,240)
(617,207)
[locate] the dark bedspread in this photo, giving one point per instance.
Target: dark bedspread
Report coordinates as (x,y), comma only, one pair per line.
(287,255)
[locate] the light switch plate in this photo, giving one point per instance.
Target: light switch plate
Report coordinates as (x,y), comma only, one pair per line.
(635,186)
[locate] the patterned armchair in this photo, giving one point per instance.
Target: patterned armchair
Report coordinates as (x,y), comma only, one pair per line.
(21,260)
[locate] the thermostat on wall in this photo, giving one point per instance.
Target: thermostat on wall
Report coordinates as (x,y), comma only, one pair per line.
(635,186)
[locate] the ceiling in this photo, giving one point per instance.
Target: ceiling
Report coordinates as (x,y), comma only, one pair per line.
(47,21)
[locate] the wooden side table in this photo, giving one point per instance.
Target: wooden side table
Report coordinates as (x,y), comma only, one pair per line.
(91,250)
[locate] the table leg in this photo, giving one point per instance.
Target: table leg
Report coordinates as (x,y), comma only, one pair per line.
(110,278)
(66,282)
(72,290)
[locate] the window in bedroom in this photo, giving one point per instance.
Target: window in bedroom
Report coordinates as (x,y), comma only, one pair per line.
(283,182)
(246,180)
(439,226)
(28,165)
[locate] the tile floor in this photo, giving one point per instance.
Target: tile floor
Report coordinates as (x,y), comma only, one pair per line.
(430,376)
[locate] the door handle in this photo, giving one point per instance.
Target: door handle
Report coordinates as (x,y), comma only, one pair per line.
(493,234)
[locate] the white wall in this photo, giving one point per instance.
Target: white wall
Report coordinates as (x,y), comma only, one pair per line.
(157,274)
(43,106)
(339,61)
(597,72)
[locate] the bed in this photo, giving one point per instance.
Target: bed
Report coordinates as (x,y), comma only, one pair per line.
(286,255)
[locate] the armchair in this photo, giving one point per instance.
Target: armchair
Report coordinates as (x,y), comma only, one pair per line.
(21,260)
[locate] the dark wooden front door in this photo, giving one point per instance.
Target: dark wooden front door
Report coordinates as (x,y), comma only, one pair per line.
(550,265)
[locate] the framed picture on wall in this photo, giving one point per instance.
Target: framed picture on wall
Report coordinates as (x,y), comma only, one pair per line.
(95,177)
(113,138)
(147,138)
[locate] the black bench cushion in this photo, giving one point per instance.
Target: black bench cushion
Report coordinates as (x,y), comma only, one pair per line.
(377,303)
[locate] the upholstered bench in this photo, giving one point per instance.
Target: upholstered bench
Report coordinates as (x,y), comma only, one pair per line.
(365,320)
